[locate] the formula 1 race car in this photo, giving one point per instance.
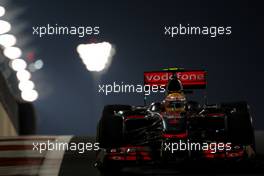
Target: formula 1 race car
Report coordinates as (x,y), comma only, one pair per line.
(174,129)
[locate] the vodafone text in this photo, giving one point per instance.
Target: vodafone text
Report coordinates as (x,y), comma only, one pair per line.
(183,76)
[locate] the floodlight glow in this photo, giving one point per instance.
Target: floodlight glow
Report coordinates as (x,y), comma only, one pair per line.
(23,75)
(2,11)
(96,55)
(31,67)
(4,26)
(29,95)
(38,64)
(7,40)
(18,64)
(26,85)
(12,52)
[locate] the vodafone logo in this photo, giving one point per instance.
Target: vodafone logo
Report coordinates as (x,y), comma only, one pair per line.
(190,76)
(186,77)
(158,77)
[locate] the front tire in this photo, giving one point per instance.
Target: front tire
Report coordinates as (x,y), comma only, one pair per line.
(110,126)
(240,129)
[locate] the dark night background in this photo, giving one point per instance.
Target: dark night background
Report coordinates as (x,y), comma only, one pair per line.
(69,102)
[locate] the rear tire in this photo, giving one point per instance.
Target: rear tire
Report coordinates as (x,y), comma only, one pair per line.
(239,107)
(111,109)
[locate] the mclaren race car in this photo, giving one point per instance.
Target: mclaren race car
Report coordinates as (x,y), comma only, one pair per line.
(175,129)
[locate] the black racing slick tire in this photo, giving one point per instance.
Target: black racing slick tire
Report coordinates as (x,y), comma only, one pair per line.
(239,107)
(239,128)
(111,109)
(239,125)
(110,126)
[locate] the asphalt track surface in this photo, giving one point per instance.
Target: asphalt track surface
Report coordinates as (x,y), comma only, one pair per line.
(75,164)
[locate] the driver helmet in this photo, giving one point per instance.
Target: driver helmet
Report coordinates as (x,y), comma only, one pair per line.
(175,102)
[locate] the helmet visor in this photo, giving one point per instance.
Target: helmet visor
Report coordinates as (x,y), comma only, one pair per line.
(175,104)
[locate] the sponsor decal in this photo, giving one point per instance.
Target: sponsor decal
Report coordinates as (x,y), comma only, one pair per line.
(189,79)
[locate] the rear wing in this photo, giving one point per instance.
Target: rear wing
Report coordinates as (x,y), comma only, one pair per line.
(190,79)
